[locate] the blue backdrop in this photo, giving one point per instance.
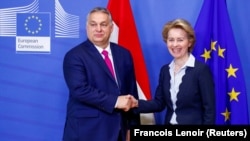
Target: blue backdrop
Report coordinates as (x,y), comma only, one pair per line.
(33,94)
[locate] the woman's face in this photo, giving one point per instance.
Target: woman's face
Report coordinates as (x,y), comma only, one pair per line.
(178,43)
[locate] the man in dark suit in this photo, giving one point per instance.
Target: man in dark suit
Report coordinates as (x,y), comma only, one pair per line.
(99,102)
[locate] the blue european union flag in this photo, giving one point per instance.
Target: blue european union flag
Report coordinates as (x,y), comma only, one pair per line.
(216,46)
(33,24)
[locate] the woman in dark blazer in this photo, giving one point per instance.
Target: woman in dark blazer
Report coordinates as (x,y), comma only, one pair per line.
(186,86)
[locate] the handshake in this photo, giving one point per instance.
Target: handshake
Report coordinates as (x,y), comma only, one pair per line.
(126,102)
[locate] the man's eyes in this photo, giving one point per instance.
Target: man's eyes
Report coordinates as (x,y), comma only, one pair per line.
(95,25)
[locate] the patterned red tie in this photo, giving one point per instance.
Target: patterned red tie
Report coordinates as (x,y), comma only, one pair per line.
(108,62)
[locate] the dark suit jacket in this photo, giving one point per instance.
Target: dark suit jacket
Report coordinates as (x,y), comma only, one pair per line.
(195,100)
(93,93)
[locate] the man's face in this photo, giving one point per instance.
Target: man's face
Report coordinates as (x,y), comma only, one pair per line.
(99,28)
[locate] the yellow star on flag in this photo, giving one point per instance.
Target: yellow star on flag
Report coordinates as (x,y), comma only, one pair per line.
(213,45)
(206,54)
(221,51)
(233,95)
(231,71)
(226,114)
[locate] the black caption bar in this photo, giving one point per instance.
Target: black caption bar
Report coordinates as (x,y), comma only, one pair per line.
(204,133)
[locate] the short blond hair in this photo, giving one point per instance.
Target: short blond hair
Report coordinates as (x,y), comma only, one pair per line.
(182,24)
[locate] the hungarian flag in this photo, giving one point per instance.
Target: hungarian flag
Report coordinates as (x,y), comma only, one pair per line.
(125,34)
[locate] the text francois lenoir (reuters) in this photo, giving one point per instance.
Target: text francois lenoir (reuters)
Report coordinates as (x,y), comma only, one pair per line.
(192,133)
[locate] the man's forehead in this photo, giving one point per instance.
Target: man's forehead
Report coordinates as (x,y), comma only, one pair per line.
(98,17)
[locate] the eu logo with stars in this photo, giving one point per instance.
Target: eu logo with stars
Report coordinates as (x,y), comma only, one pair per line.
(33,24)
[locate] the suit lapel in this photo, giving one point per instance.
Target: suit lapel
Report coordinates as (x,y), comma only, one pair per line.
(98,57)
(116,60)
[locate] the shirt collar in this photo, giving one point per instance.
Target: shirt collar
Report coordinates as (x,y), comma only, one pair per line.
(101,49)
(189,63)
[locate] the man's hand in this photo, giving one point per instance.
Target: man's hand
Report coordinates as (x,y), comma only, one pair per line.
(126,102)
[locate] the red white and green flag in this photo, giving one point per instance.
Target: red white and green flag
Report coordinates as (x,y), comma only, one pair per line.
(125,34)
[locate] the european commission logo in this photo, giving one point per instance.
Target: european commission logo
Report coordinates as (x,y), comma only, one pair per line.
(32,29)
(33,24)
(33,32)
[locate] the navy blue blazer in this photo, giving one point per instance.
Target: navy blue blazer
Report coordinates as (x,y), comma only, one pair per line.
(93,93)
(195,99)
